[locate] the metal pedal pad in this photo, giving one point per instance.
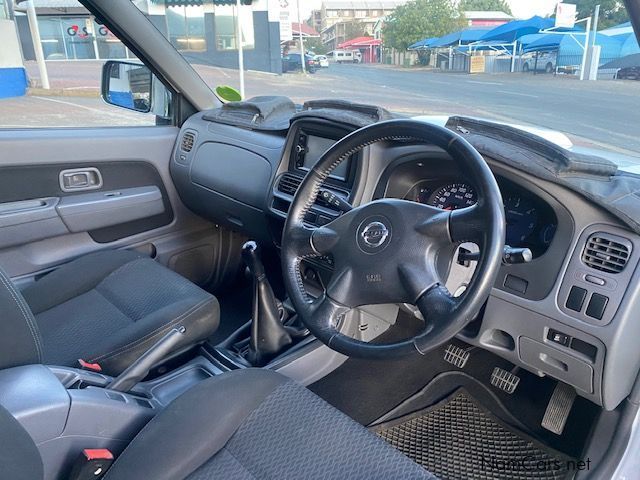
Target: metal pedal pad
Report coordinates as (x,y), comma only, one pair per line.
(505,381)
(456,356)
(560,404)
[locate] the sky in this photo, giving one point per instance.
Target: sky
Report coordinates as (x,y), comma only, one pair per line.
(520,8)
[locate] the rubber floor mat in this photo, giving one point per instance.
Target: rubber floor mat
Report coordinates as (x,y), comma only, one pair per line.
(458,439)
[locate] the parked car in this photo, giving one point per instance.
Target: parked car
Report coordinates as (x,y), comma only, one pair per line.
(346,56)
(629,73)
(292,62)
(546,62)
(322,60)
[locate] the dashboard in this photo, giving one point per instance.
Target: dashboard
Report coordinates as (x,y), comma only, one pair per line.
(541,315)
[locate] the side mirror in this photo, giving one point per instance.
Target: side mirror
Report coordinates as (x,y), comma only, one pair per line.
(134,87)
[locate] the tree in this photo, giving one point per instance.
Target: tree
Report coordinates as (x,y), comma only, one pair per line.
(315,45)
(612,12)
(485,6)
(420,19)
(354,29)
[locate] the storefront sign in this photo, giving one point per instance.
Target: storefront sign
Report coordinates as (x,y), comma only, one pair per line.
(286,29)
(477,64)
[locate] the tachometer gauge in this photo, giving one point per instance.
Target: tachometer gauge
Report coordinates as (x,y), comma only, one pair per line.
(454,196)
(522,219)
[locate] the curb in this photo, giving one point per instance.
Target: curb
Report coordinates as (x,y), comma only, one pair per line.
(64,92)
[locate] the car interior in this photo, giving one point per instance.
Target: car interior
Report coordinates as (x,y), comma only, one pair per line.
(261,289)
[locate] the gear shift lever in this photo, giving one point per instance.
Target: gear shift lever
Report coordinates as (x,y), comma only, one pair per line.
(268,335)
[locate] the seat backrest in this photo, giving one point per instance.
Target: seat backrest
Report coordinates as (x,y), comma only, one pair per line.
(19,456)
(20,341)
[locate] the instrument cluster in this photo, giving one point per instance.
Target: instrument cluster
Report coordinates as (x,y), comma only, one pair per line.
(531,222)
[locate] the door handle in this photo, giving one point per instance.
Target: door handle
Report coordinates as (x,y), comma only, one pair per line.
(78,179)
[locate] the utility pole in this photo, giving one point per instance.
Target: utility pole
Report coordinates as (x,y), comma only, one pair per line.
(239,45)
(37,44)
(303,57)
(596,19)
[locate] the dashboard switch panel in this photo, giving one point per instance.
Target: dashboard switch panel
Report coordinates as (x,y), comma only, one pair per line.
(559,338)
(576,298)
(597,306)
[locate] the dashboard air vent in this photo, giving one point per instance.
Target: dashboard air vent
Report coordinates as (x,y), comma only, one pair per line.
(289,184)
(606,253)
(188,140)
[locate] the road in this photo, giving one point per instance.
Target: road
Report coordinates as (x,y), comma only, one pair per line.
(604,112)
(595,113)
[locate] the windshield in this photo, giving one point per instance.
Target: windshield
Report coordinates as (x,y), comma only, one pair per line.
(573,68)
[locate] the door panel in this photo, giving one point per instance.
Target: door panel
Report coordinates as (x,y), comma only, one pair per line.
(130,202)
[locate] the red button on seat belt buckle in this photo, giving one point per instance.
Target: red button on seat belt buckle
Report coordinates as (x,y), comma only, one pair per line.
(92,464)
(94,367)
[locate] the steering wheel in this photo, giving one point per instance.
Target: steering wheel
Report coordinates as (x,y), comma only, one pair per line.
(388,250)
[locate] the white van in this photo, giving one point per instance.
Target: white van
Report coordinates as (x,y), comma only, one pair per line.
(346,56)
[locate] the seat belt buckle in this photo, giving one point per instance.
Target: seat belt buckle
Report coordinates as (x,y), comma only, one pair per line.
(93,367)
(93,463)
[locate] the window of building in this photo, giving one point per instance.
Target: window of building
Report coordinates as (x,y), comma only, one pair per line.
(361,14)
(332,13)
(225,27)
(185,27)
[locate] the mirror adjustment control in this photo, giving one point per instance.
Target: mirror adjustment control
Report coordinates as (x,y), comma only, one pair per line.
(559,338)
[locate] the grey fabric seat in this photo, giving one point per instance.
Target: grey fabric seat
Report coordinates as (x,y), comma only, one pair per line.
(248,424)
(106,308)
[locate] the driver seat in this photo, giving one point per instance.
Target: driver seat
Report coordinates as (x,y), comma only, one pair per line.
(244,425)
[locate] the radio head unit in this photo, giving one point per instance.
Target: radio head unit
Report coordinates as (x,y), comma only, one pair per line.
(308,149)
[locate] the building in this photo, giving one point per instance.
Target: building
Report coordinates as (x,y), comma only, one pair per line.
(487,19)
(315,20)
(342,20)
(202,30)
(13,77)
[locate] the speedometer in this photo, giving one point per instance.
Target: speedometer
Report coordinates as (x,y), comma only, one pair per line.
(454,196)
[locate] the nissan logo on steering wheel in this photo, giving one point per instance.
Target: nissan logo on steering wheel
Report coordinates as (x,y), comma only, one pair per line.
(373,235)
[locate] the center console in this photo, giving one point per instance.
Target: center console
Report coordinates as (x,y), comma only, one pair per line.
(307,141)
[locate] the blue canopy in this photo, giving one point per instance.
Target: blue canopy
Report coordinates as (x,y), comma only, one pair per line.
(629,43)
(529,39)
(568,44)
(424,43)
(512,31)
(461,37)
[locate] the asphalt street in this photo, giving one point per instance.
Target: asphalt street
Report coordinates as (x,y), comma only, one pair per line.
(603,113)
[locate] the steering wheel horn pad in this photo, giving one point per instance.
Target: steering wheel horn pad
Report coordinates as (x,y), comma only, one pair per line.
(388,251)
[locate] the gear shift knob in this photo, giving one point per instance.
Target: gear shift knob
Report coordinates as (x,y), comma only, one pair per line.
(268,335)
(251,258)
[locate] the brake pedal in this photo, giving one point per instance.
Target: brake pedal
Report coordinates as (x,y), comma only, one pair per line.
(456,356)
(504,380)
(560,404)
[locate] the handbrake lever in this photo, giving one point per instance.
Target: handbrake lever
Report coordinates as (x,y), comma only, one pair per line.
(141,367)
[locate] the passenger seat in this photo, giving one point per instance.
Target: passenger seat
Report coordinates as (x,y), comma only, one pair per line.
(106,308)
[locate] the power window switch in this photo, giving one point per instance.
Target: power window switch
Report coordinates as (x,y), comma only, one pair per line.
(576,298)
(559,338)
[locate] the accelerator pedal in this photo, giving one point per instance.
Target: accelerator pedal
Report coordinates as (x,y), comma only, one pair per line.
(456,356)
(560,404)
(504,380)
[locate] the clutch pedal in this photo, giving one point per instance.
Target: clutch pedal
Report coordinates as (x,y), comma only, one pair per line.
(504,380)
(560,404)
(456,356)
